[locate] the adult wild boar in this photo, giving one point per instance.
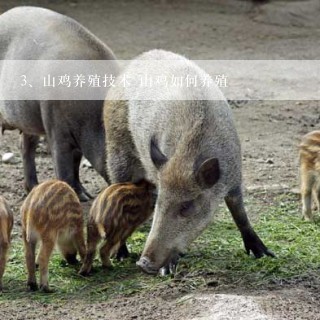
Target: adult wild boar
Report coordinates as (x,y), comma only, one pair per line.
(184,142)
(73,128)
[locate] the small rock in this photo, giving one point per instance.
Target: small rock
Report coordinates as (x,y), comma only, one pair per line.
(86,163)
(270,161)
(8,158)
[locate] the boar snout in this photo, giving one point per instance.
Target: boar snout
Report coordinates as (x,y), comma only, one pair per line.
(147,266)
(151,265)
(168,268)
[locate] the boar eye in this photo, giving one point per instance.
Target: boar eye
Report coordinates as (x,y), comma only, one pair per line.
(186,208)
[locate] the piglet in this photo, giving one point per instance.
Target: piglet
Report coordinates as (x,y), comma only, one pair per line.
(309,151)
(51,214)
(114,215)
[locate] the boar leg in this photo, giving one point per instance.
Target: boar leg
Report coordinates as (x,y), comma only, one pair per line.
(62,144)
(307,181)
(79,243)
(46,249)
(105,252)
(93,237)
(77,155)
(62,153)
(317,196)
(3,258)
(30,252)
(252,242)
(28,148)
(123,167)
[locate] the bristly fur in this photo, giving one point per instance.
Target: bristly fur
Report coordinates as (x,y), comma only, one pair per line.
(114,215)
(309,151)
(52,214)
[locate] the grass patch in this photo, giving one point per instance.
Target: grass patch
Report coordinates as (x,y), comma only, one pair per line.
(296,243)
(217,254)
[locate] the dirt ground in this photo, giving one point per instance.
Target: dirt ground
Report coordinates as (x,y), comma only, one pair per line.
(269,132)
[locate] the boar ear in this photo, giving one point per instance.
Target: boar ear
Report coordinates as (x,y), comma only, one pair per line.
(157,157)
(208,173)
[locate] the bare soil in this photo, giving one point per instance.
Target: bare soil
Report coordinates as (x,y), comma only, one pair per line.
(269,132)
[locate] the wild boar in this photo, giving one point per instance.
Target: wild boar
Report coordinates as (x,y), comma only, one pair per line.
(184,141)
(52,214)
(6,224)
(114,215)
(309,151)
(73,128)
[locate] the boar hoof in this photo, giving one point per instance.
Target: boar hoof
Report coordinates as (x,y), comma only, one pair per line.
(72,259)
(46,289)
(32,286)
(107,267)
(122,253)
(253,244)
(84,272)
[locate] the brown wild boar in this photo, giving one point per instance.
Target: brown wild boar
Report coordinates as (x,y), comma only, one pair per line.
(52,214)
(6,224)
(309,151)
(114,215)
(183,140)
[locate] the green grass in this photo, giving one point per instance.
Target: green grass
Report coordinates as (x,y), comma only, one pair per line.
(216,258)
(296,244)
